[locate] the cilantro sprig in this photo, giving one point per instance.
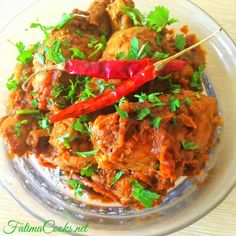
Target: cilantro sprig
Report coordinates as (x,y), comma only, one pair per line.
(136,16)
(144,196)
(77,186)
(18,126)
(87,154)
(189,145)
(196,82)
(88,170)
(122,113)
(12,84)
(174,104)
(116,177)
(180,42)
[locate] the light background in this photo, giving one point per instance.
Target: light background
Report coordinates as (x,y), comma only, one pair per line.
(221,221)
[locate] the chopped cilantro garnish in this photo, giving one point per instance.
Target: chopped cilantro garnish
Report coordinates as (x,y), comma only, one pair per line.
(53,52)
(123,114)
(189,145)
(34,103)
(102,86)
(120,55)
(77,186)
(173,104)
(180,42)
(25,55)
(175,88)
(151,98)
(133,51)
(136,16)
(27,112)
(117,176)
(196,82)
(99,46)
(57,89)
(175,121)
(18,127)
(197,95)
(144,50)
(87,92)
(44,123)
(159,18)
(81,125)
(66,139)
(12,84)
(187,101)
(80,33)
(144,196)
(156,122)
(160,55)
(143,113)
(40,58)
(77,54)
(87,154)
(159,39)
(88,171)
(64,19)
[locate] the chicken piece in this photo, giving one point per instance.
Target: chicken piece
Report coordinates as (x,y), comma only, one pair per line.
(135,145)
(99,15)
(65,142)
(120,20)
(120,41)
(15,130)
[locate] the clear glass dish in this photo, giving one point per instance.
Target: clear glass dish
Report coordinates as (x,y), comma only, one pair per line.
(41,192)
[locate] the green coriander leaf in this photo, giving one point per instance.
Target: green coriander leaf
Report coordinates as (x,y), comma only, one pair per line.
(66,139)
(175,122)
(180,42)
(142,97)
(27,112)
(44,123)
(144,50)
(102,86)
(156,122)
(34,103)
(81,125)
(143,113)
(98,46)
(196,82)
(160,55)
(80,33)
(87,154)
(57,89)
(187,100)
(12,84)
(77,186)
(155,100)
(88,170)
(40,58)
(120,55)
(117,176)
(18,127)
(64,19)
(123,114)
(25,55)
(175,88)
(134,49)
(136,16)
(159,40)
(189,145)
(173,104)
(197,95)
(43,28)
(87,92)
(77,54)
(144,196)
(159,18)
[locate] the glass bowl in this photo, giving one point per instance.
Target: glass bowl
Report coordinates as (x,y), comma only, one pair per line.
(42,192)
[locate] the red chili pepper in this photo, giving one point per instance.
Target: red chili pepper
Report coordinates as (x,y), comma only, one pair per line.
(110,97)
(107,69)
